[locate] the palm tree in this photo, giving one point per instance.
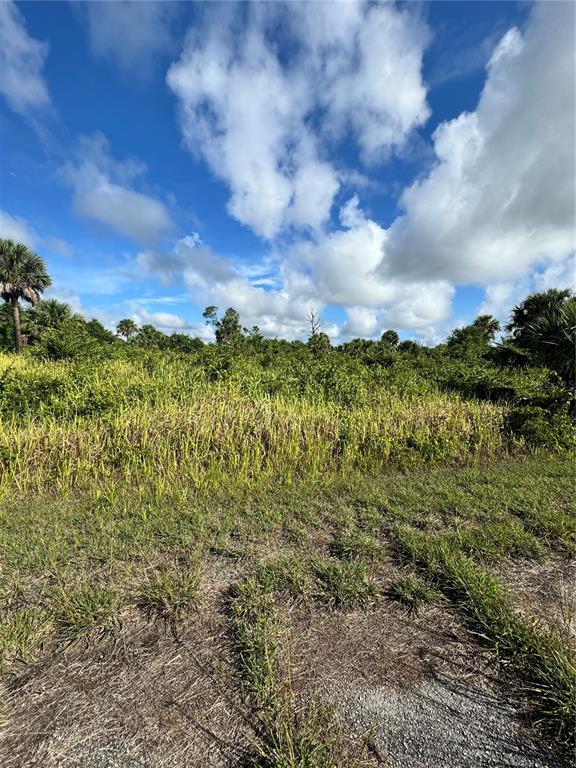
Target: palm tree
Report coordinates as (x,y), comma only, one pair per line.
(534,306)
(51,313)
(23,275)
(126,328)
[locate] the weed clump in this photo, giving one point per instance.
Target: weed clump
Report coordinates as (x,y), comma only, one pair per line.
(412,592)
(356,545)
(169,592)
(78,611)
(22,634)
(344,585)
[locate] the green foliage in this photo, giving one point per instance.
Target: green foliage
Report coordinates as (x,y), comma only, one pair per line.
(319,344)
(344,585)
(473,341)
(79,611)
(22,633)
(50,313)
(71,341)
(543,427)
(127,328)
(150,337)
(97,331)
(228,329)
(390,339)
(410,347)
(543,329)
(356,545)
(23,276)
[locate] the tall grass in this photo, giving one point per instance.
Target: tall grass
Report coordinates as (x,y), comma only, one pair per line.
(69,426)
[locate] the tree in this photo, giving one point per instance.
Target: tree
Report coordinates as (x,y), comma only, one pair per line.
(534,306)
(184,343)
(319,343)
(473,340)
(148,336)
(409,346)
(50,313)
(390,338)
(543,331)
(488,326)
(23,275)
(228,330)
(315,324)
(126,328)
(98,332)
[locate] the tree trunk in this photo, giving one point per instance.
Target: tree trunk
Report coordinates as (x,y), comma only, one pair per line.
(16,317)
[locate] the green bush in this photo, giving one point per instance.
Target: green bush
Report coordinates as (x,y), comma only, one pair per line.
(542,427)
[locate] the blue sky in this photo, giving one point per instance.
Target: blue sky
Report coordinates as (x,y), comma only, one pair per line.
(394,165)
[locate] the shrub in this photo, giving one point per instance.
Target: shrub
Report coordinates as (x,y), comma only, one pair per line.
(542,427)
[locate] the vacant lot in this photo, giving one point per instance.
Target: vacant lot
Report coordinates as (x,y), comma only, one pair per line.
(396,620)
(273,558)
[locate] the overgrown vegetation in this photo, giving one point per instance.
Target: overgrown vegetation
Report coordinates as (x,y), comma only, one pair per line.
(132,465)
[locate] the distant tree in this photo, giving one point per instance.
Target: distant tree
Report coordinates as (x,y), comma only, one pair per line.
(23,275)
(315,323)
(228,329)
(473,340)
(184,343)
(409,346)
(319,343)
(533,307)
(98,332)
(126,328)
(390,338)
(357,347)
(151,337)
(254,337)
(543,332)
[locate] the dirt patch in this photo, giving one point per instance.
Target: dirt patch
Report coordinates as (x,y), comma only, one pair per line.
(544,590)
(437,722)
(419,690)
(145,699)
(384,645)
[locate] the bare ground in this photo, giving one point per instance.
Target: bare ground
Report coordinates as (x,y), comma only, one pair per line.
(417,691)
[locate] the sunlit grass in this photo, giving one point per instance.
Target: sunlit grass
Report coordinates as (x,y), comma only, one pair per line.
(120,421)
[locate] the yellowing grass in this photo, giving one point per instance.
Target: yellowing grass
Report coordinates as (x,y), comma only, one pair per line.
(218,435)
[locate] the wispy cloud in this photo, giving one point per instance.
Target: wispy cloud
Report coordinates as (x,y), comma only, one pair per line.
(22,57)
(104,192)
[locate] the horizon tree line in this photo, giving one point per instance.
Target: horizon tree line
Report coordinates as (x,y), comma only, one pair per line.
(541,329)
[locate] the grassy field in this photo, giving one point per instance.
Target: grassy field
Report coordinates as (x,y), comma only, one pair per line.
(136,495)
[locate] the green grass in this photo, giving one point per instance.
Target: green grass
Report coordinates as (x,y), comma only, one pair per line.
(412,592)
(169,592)
(154,424)
(322,542)
(22,634)
(287,739)
(344,585)
(356,544)
(78,611)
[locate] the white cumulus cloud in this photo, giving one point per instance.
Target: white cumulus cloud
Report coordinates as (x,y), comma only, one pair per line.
(17,229)
(129,32)
(501,197)
(263,116)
